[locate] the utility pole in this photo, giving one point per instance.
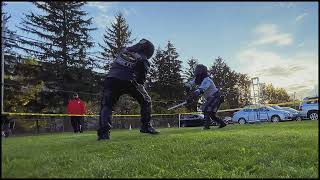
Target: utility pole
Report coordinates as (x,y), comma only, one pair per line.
(294,100)
(2,60)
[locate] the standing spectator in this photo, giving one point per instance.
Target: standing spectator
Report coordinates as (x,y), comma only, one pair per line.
(77,106)
(6,125)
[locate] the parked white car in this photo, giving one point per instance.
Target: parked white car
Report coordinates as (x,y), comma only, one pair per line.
(295,114)
(310,109)
(252,114)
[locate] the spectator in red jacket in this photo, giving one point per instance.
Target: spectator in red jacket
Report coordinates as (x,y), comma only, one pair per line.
(77,106)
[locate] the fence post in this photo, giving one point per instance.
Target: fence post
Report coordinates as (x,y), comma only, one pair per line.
(179,119)
(37,126)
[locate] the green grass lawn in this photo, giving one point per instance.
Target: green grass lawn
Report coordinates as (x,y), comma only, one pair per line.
(266,150)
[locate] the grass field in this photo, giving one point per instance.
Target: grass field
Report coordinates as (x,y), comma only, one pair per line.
(266,150)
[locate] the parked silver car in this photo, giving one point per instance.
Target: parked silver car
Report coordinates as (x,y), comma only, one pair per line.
(295,114)
(309,108)
(251,114)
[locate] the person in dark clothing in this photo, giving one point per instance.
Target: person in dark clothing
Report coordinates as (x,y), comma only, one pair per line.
(206,87)
(127,75)
(6,125)
(78,107)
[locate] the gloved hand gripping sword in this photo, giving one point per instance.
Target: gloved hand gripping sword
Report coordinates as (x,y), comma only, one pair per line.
(190,97)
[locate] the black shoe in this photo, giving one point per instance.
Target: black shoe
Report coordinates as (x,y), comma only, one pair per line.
(206,127)
(207,124)
(149,129)
(6,134)
(222,125)
(103,135)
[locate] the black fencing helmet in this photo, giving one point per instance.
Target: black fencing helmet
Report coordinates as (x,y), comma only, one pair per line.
(143,46)
(201,72)
(200,69)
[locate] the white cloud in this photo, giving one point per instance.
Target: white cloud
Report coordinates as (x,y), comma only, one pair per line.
(296,74)
(269,34)
(127,12)
(102,6)
(298,18)
(15,2)
(103,20)
(286,4)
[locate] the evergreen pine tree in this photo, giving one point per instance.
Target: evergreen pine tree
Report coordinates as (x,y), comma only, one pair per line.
(115,38)
(189,73)
(166,73)
(10,37)
(60,36)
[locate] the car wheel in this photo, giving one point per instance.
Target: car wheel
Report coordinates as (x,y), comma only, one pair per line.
(275,119)
(242,121)
(313,116)
(298,119)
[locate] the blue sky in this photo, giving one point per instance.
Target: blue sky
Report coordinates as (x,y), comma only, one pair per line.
(276,41)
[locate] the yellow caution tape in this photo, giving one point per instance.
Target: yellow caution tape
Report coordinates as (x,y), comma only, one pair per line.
(137,115)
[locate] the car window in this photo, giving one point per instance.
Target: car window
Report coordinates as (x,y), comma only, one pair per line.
(276,107)
(261,109)
(270,108)
(185,116)
(312,102)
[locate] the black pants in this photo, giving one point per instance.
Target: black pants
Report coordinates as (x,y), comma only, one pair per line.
(113,89)
(211,107)
(77,123)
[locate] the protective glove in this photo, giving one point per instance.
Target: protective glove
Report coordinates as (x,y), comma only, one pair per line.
(187,89)
(192,96)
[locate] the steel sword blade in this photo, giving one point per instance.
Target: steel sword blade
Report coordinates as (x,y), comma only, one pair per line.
(178,105)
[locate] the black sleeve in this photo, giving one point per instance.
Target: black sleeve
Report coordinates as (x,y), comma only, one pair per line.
(141,69)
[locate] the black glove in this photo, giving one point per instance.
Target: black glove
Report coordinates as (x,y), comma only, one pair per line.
(187,89)
(192,96)
(189,100)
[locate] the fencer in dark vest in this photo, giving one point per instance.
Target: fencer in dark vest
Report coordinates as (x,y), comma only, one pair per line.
(127,75)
